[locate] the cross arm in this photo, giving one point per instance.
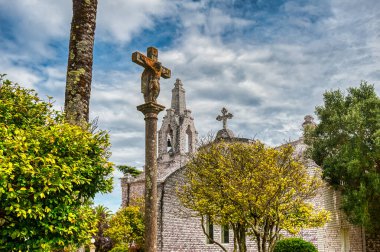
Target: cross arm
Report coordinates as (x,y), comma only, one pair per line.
(142,60)
(166,73)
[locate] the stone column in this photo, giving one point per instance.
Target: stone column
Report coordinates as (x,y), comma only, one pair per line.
(150,111)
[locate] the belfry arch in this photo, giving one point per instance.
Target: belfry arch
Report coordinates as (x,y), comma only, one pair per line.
(177,129)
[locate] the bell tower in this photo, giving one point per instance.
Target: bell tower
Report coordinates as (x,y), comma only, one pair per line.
(177,134)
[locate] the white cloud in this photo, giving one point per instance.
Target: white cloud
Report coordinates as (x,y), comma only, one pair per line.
(35,23)
(283,79)
(119,20)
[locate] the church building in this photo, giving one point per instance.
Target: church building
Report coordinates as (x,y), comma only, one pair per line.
(179,231)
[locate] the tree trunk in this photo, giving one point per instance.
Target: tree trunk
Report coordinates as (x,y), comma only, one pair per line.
(235,240)
(242,241)
(271,246)
(263,245)
(208,236)
(258,241)
(79,66)
(240,237)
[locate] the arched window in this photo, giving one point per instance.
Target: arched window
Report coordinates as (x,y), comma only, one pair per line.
(169,139)
(188,140)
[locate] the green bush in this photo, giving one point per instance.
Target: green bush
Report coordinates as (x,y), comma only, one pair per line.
(120,249)
(294,245)
(49,173)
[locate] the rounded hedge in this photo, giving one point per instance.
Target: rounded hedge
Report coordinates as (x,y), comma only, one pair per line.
(294,245)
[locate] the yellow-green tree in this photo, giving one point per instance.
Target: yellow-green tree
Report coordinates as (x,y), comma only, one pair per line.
(127,227)
(256,190)
(49,172)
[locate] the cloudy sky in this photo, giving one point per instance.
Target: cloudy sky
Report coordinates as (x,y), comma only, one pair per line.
(267,61)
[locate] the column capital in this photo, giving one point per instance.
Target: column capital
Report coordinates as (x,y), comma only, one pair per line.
(150,109)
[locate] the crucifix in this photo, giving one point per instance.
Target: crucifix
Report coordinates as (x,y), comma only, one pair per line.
(225,115)
(150,87)
(153,71)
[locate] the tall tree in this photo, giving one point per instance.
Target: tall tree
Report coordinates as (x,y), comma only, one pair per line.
(103,215)
(256,190)
(346,144)
(79,66)
(49,171)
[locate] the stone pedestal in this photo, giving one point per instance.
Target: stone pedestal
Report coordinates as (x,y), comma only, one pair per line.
(150,111)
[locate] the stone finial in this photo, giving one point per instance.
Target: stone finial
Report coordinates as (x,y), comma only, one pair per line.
(178,98)
(178,82)
(309,121)
(224,133)
(187,112)
(224,117)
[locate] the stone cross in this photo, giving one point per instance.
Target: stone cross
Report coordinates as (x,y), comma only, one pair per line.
(150,87)
(153,71)
(225,115)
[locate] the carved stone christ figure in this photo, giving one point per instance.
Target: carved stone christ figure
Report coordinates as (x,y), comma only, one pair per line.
(150,81)
(153,71)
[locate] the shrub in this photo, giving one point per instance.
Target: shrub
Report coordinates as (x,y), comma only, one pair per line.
(127,226)
(294,245)
(120,249)
(49,173)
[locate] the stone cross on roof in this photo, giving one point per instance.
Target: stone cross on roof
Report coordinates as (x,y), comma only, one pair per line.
(225,115)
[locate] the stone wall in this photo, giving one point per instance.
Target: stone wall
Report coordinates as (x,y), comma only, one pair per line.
(337,235)
(131,191)
(372,243)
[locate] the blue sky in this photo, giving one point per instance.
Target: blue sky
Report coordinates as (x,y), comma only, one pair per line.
(267,61)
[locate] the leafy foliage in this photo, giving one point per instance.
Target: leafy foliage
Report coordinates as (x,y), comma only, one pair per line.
(103,243)
(127,227)
(120,249)
(49,170)
(256,190)
(294,245)
(125,169)
(346,144)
